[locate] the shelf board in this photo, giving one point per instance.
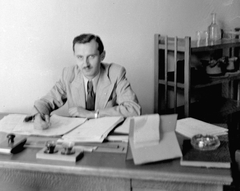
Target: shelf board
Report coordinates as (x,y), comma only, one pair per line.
(211,81)
(171,83)
(213,45)
(203,46)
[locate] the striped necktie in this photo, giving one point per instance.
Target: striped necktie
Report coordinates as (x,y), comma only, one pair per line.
(90,96)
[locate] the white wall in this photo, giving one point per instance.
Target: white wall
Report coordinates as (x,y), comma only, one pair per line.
(36,39)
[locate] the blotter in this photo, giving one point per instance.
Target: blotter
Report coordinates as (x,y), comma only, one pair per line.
(58,156)
(167,148)
(8,147)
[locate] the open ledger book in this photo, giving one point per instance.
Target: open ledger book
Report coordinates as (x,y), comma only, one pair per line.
(94,130)
(73,129)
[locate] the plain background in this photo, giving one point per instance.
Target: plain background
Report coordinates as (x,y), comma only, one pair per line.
(36,39)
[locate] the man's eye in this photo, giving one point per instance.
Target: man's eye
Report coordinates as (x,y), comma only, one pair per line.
(80,57)
(91,57)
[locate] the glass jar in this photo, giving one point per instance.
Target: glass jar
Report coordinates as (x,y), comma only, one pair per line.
(214,32)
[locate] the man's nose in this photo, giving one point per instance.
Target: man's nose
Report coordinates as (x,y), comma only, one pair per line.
(85,63)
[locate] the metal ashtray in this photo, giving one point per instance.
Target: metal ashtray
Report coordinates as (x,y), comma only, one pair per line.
(205,142)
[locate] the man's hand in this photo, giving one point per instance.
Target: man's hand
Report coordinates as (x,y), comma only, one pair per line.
(40,123)
(81,112)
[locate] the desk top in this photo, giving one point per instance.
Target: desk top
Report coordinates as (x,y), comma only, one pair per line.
(115,165)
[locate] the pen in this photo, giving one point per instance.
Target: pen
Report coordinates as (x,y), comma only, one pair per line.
(41,115)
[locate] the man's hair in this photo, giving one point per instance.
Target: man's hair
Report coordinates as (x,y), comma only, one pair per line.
(85,38)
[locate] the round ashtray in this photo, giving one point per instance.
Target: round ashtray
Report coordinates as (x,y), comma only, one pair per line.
(205,142)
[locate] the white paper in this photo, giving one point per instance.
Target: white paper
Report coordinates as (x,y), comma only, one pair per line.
(190,127)
(93,130)
(146,130)
(13,123)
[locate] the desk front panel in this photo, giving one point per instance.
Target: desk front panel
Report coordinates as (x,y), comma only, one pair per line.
(106,171)
(149,185)
(24,180)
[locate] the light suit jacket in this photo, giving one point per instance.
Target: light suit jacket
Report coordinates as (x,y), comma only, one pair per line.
(114,95)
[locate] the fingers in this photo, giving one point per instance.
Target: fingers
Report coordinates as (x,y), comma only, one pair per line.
(41,124)
(47,118)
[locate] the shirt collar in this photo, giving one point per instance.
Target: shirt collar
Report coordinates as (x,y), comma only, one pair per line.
(94,81)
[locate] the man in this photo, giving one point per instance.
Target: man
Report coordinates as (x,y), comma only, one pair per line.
(92,89)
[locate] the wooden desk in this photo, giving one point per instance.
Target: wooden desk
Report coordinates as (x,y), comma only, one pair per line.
(104,171)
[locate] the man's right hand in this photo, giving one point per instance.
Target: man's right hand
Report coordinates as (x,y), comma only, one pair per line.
(40,123)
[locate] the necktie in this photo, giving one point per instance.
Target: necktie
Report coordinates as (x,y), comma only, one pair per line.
(90,96)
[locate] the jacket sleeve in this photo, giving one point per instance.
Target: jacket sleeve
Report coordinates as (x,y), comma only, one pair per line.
(127,104)
(56,97)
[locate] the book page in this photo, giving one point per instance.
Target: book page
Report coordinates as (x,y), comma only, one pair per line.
(93,130)
(123,128)
(190,127)
(13,123)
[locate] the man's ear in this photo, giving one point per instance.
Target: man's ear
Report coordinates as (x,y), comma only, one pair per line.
(103,55)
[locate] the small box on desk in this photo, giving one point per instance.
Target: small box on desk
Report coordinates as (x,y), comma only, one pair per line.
(59,155)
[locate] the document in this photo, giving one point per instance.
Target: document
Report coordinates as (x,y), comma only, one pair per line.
(190,127)
(93,130)
(13,123)
(146,130)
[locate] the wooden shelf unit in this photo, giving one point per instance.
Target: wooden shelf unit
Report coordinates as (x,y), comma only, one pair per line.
(167,90)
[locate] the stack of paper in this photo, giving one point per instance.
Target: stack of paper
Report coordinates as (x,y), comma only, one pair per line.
(93,130)
(13,123)
(190,127)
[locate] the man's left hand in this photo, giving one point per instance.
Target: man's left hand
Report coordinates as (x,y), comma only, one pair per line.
(81,112)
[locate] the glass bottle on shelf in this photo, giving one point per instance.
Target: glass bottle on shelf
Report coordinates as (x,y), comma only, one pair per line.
(214,32)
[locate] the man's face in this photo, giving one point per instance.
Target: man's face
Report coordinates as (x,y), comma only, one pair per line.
(88,58)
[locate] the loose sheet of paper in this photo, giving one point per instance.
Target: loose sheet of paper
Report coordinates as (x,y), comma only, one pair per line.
(13,123)
(93,130)
(190,127)
(146,130)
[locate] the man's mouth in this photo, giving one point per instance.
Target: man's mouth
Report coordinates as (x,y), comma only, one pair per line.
(87,68)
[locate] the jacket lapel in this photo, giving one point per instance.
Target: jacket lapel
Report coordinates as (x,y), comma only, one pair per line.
(79,91)
(104,88)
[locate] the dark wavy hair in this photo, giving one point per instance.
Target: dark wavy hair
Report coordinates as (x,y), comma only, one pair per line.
(85,38)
